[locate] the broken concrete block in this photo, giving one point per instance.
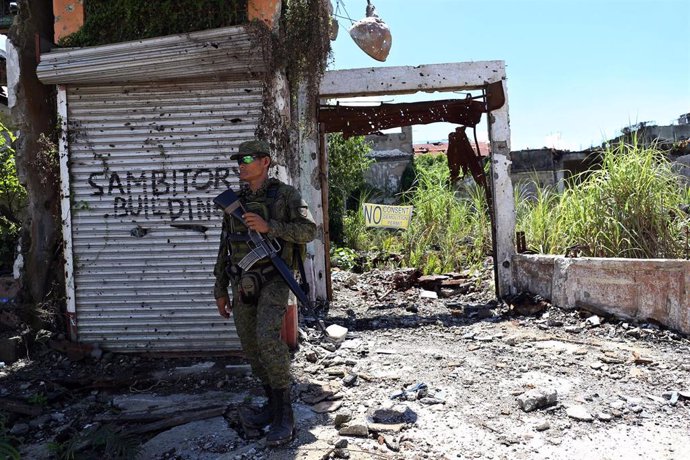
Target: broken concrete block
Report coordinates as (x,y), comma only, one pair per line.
(392,414)
(594,321)
(342,417)
(537,398)
(579,413)
(327,406)
(424,294)
(358,428)
(202,439)
(336,332)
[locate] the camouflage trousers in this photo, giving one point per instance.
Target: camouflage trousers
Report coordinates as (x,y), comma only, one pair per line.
(258,327)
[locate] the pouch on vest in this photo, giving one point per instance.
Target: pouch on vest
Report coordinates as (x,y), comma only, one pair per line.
(250,287)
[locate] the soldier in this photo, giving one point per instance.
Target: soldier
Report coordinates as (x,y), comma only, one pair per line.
(260,295)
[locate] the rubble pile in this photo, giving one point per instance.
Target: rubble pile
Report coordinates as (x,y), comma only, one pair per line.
(410,367)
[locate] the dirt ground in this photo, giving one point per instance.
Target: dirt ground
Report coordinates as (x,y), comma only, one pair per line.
(430,367)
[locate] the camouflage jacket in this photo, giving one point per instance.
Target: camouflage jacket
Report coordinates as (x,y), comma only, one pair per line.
(289,220)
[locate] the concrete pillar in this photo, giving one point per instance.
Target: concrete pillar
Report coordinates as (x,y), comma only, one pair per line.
(69,17)
(267,11)
(502,190)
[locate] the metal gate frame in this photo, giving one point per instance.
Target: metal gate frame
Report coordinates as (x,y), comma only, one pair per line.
(377,81)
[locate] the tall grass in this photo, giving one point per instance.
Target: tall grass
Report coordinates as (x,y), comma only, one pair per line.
(448,230)
(629,207)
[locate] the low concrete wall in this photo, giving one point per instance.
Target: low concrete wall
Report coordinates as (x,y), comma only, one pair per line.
(638,289)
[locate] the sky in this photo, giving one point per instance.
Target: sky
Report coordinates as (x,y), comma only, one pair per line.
(578,71)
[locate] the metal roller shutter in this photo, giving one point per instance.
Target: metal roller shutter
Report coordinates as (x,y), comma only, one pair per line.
(145,161)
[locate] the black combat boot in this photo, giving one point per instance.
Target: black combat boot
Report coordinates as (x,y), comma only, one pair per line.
(283,425)
(258,420)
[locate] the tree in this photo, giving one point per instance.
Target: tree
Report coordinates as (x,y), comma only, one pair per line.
(347,162)
(36,156)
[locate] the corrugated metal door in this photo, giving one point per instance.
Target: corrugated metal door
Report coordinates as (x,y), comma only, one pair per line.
(145,163)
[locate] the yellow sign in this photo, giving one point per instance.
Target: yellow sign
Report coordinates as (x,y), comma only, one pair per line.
(381,215)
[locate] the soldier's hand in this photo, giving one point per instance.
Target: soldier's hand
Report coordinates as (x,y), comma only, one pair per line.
(224,307)
(256,222)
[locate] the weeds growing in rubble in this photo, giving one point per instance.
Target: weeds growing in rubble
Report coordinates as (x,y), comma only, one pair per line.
(632,204)
(7,443)
(105,442)
(629,207)
(450,229)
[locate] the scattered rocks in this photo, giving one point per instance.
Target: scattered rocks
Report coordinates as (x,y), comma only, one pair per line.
(604,416)
(537,399)
(342,417)
(399,413)
(355,429)
(336,332)
(594,321)
(400,374)
(579,413)
(327,406)
(542,426)
(19,429)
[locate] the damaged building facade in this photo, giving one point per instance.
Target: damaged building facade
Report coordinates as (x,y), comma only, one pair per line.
(148,128)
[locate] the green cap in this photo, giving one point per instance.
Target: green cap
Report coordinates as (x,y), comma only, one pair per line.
(255,147)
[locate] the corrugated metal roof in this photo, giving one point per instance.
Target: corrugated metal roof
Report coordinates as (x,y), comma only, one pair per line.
(145,162)
(223,52)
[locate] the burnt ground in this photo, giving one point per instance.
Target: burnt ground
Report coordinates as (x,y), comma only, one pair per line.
(430,367)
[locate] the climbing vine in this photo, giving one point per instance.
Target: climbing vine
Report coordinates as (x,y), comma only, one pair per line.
(300,50)
(108,21)
(305,44)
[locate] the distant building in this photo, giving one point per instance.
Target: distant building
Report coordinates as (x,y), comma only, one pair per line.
(391,154)
(442,147)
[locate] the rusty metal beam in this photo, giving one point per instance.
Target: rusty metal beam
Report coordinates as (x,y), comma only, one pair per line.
(357,121)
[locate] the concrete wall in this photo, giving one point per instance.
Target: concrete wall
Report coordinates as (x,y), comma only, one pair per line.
(525,182)
(533,160)
(69,17)
(386,172)
(635,289)
(391,154)
(671,133)
(401,141)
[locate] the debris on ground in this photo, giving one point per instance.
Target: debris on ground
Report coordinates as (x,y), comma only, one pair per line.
(411,367)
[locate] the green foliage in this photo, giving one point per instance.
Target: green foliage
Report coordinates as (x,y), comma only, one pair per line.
(630,207)
(534,216)
(419,163)
(347,162)
(449,230)
(344,258)
(12,200)
(355,230)
(8,450)
(105,442)
(305,46)
(108,21)
(38,399)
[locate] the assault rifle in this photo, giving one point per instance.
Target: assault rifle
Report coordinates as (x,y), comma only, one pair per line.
(262,247)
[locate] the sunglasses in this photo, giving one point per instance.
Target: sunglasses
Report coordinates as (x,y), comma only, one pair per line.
(247,159)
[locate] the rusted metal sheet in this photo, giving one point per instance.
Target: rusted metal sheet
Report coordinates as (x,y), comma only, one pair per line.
(145,162)
(355,121)
(461,155)
(228,52)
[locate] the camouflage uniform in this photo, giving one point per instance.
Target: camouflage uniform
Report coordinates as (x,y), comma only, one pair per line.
(258,322)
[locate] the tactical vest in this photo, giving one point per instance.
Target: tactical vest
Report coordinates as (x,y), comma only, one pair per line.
(237,237)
